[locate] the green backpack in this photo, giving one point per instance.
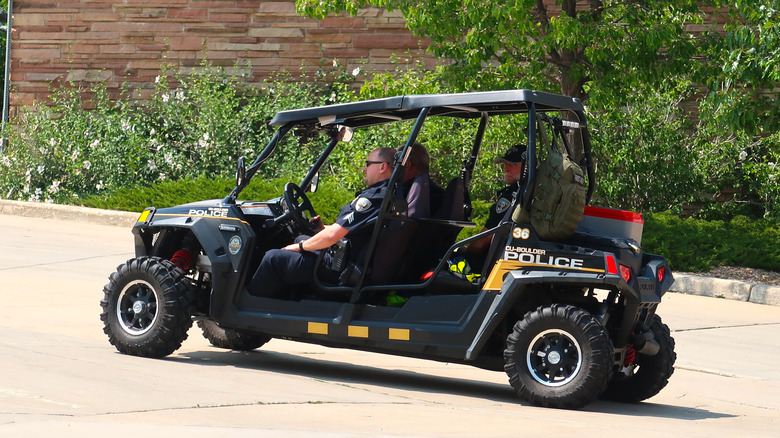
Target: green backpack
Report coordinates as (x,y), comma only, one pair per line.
(559,194)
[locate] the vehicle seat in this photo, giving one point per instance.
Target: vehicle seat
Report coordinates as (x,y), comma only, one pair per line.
(431,241)
(452,202)
(394,241)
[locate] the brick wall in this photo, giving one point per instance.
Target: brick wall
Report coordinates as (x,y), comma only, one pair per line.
(127,41)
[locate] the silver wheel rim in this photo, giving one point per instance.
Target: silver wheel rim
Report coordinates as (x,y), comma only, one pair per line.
(554,358)
(137,308)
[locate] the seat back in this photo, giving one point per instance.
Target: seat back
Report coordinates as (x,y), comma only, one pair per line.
(394,240)
(431,241)
(452,201)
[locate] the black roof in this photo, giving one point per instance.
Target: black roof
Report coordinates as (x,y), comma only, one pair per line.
(464,105)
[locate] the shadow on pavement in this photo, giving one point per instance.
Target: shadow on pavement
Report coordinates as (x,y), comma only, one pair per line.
(348,373)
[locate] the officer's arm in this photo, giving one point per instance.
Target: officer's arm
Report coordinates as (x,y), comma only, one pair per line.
(324,239)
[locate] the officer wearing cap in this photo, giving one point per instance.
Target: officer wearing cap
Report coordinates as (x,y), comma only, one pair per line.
(514,164)
(294,264)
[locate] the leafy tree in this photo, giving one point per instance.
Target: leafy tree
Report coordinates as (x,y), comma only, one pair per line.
(746,68)
(570,45)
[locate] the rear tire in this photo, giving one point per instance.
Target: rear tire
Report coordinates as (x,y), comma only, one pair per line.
(230,339)
(648,375)
(146,307)
(558,356)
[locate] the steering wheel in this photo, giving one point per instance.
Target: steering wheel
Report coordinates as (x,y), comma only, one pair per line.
(298,205)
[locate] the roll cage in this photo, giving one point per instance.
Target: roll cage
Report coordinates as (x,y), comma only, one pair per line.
(335,120)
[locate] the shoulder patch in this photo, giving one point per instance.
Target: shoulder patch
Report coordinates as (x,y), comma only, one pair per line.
(502,205)
(362,204)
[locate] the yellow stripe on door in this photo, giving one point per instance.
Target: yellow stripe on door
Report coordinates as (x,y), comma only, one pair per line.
(398,334)
(356,331)
(318,328)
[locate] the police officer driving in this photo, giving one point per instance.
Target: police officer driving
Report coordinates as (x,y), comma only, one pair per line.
(293,265)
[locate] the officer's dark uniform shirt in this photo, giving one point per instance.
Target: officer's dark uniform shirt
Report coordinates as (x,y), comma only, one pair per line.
(280,269)
(504,197)
(360,211)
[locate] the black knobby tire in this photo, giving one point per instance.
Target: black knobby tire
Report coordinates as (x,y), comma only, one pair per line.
(648,375)
(146,307)
(558,356)
(230,339)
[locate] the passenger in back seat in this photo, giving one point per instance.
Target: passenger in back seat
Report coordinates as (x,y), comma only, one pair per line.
(514,176)
(417,168)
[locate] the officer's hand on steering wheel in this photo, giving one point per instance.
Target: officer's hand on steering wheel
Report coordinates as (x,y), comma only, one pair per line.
(316,223)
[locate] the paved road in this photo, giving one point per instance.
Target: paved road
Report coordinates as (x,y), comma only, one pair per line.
(60,377)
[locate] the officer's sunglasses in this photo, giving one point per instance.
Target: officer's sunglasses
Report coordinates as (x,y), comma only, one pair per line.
(369,162)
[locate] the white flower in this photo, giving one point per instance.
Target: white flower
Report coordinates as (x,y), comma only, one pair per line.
(165,98)
(356,71)
(54,187)
(161,177)
(49,201)
(38,191)
(99,185)
(53,142)
(180,95)
(95,143)
(6,161)
(87,164)
(206,136)
(169,158)
(151,165)
(41,168)
(125,125)
(335,62)
(34,198)
(332,96)
(26,189)
(157,80)
(742,155)
(152,132)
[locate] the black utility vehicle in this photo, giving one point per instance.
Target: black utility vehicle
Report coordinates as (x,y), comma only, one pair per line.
(568,320)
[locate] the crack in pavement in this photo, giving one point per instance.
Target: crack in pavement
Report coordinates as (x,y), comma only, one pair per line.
(715,327)
(9,268)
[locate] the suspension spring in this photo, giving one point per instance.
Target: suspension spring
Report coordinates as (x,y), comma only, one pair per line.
(183,259)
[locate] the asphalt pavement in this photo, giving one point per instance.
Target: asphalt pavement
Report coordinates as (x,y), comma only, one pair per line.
(684,283)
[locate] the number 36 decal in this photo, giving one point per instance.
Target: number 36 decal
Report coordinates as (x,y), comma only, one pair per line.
(521,233)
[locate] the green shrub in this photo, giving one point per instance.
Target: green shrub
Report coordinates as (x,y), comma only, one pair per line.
(85,143)
(327,201)
(699,245)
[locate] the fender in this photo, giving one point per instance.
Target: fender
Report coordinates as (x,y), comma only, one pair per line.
(517,281)
(229,246)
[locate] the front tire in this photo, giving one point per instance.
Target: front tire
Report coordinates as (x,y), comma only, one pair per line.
(558,356)
(146,307)
(230,339)
(648,375)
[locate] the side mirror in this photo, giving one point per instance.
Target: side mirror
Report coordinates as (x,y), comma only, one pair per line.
(345,134)
(240,172)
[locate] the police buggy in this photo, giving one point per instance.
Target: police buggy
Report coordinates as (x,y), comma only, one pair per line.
(569,317)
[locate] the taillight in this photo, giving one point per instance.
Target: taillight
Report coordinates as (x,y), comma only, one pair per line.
(625,272)
(661,274)
(611,264)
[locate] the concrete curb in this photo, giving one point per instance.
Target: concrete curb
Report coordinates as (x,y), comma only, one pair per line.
(729,289)
(684,283)
(68,212)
